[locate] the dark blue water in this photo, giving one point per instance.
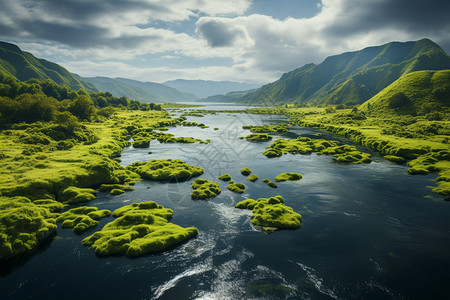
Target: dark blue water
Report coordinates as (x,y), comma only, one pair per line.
(369,231)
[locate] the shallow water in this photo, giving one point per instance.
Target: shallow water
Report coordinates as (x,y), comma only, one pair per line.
(369,231)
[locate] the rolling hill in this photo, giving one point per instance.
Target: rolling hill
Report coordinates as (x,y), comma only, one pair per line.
(416,93)
(24,66)
(352,77)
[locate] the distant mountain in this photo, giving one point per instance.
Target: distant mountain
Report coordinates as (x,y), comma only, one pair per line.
(416,93)
(203,88)
(231,97)
(24,66)
(141,91)
(352,77)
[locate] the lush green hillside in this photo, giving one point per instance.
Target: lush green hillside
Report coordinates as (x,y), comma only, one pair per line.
(141,91)
(25,66)
(417,93)
(353,77)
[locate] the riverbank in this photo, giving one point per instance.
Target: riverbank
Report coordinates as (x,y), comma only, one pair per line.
(41,169)
(423,144)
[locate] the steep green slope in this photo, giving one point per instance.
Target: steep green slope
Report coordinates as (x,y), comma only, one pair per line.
(352,77)
(416,93)
(24,66)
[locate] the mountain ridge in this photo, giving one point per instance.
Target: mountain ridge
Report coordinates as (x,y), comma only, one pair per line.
(351,77)
(24,66)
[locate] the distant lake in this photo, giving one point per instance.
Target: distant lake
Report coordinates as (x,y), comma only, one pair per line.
(369,231)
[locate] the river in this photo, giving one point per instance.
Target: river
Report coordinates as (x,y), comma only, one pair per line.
(369,231)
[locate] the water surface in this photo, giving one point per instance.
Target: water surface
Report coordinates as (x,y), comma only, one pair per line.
(369,231)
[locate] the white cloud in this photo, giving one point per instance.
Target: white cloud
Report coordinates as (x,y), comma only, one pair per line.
(91,36)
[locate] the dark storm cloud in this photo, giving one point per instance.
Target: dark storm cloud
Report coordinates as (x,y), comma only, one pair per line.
(217,33)
(79,10)
(413,16)
(76,23)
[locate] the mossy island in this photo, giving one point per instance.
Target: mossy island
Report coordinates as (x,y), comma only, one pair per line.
(270,183)
(23,226)
(139,229)
(82,218)
(345,154)
(258,137)
(165,170)
(253,178)
(271,213)
(288,176)
(280,128)
(225,177)
(246,171)
(236,187)
(204,189)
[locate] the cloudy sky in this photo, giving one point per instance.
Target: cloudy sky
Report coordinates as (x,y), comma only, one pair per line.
(251,41)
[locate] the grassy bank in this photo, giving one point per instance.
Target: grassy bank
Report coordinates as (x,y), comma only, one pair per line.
(423,143)
(41,167)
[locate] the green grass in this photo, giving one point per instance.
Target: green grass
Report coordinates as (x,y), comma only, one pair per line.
(204,189)
(139,229)
(47,175)
(288,176)
(271,213)
(165,170)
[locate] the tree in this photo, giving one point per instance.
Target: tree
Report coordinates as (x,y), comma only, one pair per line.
(82,107)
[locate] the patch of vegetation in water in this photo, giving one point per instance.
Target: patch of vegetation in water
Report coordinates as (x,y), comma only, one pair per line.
(225,177)
(246,171)
(23,225)
(204,189)
(288,176)
(139,229)
(165,170)
(345,154)
(258,137)
(279,128)
(253,178)
(236,187)
(82,218)
(270,183)
(271,213)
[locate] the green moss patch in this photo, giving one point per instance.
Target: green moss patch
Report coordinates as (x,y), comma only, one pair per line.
(270,183)
(271,212)
(396,159)
(280,128)
(52,205)
(246,171)
(140,228)
(253,178)
(82,218)
(258,137)
(165,170)
(236,187)
(304,145)
(204,189)
(23,226)
(74,194)
(110,187)
(288,176)
(225,177)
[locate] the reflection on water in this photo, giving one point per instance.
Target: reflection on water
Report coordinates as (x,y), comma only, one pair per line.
(368,231)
